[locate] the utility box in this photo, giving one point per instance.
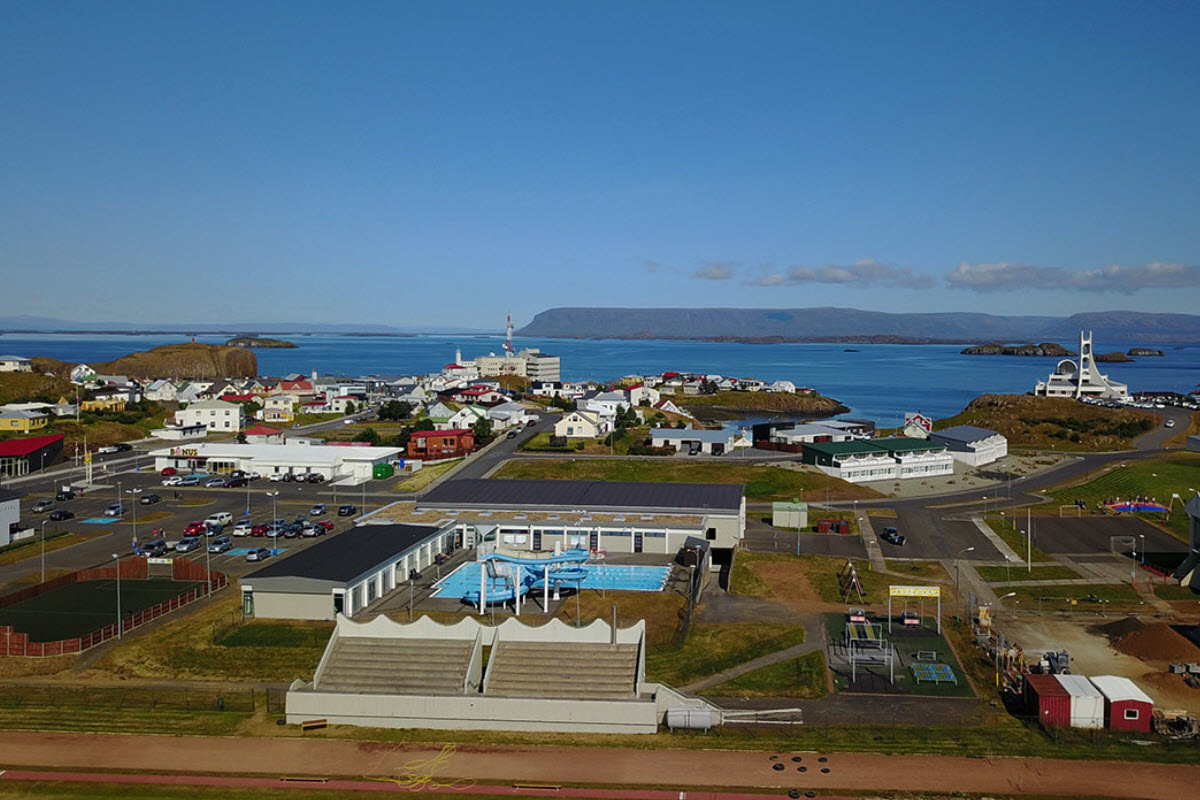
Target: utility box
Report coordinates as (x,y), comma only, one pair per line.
(383,471)
(789,515)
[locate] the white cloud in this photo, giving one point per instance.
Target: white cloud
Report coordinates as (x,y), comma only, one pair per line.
(715,271)
(1003,277)
(861,274)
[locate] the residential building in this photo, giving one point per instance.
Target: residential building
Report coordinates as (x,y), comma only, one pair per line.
(689,440)
(465,417)
(81,373)
(162,391)
(670,407)
(480,395)
(508,415)
(261,434)
(580,424)
(1082,379)
(897,458)
(439,413)
(541,366)
(15,364)
(639,395)
(103,404)
(492,365)
(972,446)
(296,384)
(782,387)
(434,445)
(22,421)
(216,415)
(346,404)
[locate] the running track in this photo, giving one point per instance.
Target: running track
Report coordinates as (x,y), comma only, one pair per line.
(420,767)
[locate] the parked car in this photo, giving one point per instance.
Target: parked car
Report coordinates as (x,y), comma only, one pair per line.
(213,529)
(531,423)
(315,477)
(892,536)
(258,554)
(234,483)
(215,483)
(276,477)
(318,510)
(220,518)
(510,435)
(46,505)
(347,510)
(289,477)
(291,531)
(154,548)
(168,471)
(189,544)
(150,499)
(220,544)
(60,514)
(260,530)
(243,527)
(173,480)
(326,524)
(108,448)
(114,510)
(194,528)
(64,495)
(191,480)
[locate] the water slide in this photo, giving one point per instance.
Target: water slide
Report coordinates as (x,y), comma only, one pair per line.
(507,578)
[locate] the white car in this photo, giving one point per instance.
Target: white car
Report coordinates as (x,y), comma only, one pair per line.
(174,480)
(243,527)
(275,477)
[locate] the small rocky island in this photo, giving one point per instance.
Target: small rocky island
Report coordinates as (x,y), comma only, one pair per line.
(1044,349)
(258,341)
(1117,357)
(1144,351)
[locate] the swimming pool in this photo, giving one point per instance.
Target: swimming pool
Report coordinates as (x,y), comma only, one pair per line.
(618,577)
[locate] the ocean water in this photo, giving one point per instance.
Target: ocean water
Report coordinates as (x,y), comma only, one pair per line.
(877,381)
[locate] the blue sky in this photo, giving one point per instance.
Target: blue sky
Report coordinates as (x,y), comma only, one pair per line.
(445,163)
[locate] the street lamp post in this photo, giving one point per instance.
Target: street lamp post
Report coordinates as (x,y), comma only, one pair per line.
(133,493)
(1002,597)
(117,556)
(957,555)
(44,549)
(274,524)
(1142,536)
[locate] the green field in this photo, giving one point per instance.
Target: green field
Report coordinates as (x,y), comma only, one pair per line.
(761,483)
(1079,598)
(802,677)
(81,608)
(1178,473)
(1018,572)
(712,648)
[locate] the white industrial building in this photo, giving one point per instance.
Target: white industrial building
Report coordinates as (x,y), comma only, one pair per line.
(807,432)
(334,463)
(685,440)
(10,515)
(972,446)
(343,574)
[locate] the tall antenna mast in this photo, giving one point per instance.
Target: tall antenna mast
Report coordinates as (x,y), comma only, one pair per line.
(508,348)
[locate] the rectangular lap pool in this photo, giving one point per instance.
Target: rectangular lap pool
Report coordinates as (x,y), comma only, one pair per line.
(599,576)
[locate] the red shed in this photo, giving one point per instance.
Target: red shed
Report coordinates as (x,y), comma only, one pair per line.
(1046,698)
(1126,707)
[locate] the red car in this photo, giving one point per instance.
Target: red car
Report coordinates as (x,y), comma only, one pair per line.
(195,528)
(169,471)
(324,523)
(258,530)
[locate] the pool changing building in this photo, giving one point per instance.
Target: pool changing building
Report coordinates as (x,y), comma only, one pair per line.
(354,464)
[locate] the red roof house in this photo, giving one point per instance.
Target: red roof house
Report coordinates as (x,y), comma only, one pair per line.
(430,445)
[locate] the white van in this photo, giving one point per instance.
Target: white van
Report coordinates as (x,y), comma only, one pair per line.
(219,518)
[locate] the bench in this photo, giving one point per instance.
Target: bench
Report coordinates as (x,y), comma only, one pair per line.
(314,724)
(550,787)
(927,655)
(302,779)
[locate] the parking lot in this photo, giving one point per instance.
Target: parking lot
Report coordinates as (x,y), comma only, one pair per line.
(178,507)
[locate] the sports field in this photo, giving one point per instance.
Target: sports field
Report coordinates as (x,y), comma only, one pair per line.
(80,608)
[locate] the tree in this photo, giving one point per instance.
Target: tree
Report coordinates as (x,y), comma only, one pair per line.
(395,410)
(350,407)
(707,387)
(558,401)
(483,431)
(369,435)
(241,438)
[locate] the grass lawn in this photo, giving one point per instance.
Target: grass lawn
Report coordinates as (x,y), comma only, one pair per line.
(802,677)
(822,574)
(424,476)
(1055,572)
(1054,423)
(1174,473)
(20,551)
(1108,598)
(1013,538)
(660,610)
(1173,591)
(712,648)
(184,649)
(761,483)
(260,633)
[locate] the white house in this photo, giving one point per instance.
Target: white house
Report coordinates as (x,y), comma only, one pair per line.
(605,403)
(464,418)
(508,415)
(782,387)
(642,394)
(690,440)
(162,391)
(582,425)
(278,408)
(439,412)
(750,385)
(15,364)
(671,408)
(216,415)
(81,373)
(345,404)
(972,446)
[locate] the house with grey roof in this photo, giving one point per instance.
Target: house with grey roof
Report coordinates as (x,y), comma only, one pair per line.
(971,445)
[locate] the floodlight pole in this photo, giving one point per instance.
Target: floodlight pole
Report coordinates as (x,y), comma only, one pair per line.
(133,493)
(957,591)
(274,526)
(117,556)
(44,549)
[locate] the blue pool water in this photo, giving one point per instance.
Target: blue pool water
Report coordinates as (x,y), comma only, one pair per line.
(599,576)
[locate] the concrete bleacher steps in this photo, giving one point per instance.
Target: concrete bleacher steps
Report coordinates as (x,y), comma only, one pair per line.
(582,671)
(369,665)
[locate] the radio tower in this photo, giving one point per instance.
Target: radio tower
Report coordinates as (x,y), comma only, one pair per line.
(508,348)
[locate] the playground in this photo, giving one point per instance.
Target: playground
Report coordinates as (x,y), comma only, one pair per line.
(78,609)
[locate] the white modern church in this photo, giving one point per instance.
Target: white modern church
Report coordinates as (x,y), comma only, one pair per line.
(1070,379)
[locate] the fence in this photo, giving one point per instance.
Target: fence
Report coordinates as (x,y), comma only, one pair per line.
(693,588)
(13,643)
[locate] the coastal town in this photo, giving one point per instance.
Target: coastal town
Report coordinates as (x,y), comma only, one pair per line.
(494,497)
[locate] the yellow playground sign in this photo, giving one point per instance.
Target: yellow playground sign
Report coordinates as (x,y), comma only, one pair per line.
(914,591)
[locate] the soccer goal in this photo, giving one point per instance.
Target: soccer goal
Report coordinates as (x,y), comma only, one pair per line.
(1072,510)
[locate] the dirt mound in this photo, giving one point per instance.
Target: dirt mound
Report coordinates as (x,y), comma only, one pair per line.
(1158,642)
(1117,628)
